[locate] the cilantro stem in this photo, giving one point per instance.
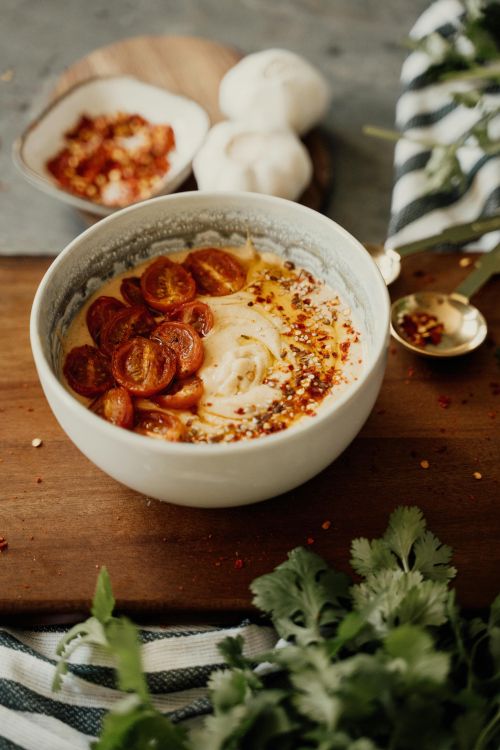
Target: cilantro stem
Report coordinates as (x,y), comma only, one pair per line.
(473,74)
(483,738)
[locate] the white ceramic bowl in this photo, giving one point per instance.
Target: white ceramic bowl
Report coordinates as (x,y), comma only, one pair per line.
(214,475)
(44,138)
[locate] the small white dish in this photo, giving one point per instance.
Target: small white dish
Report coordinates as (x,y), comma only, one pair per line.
(44,138)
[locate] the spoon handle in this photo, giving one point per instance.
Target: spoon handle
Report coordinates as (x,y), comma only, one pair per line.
(455,235)
(488,265)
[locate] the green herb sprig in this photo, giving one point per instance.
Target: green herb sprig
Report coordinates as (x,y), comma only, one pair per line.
(471,53)
(386,663)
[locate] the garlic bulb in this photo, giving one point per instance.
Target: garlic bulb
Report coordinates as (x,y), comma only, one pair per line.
(238,157)
(275,89)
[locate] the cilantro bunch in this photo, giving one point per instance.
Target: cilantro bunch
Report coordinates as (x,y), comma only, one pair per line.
(386,663)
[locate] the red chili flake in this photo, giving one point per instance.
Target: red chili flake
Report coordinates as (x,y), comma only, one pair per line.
(421,328)
(444,401)
(113,159)
(239,563)
(411,372)
(326,525)
(39,480)
(492,414)
(3,543)
(310,540)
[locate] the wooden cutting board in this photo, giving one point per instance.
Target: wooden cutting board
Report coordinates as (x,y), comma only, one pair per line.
(193,67)
(63,518)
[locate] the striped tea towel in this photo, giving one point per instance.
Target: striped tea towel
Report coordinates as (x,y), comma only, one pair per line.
(177,662)
(427,111)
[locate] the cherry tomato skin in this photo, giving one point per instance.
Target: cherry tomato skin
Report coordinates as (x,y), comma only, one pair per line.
(126,324)
(216,272)
(160,425)
(182,394)
(185,342)
(115,406)
(165,285)
(143,367)
(130,289)
(99,313)
(196,314)
(87,371)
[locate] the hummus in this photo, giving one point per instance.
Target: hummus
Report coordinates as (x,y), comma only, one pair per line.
(279,348)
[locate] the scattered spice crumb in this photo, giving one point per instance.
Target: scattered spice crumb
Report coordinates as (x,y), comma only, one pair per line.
(36,442)
(326,525)
(411,372)
(424,464)
(444,401)
(39,480)
(464,262)
(238,563)
(477,475)
(3,543)
(421,328)
(310,540)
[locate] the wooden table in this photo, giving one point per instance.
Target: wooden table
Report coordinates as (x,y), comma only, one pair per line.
(63,518)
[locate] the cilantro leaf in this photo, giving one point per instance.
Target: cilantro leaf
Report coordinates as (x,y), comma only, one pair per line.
(123,641)
(302,595)
(432,558)
(417,658)
(137,727)
(103,602)
(368,557)
(392,597)
(406,525)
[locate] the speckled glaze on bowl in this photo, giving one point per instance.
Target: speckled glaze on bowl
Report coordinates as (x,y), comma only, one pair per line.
(216,475)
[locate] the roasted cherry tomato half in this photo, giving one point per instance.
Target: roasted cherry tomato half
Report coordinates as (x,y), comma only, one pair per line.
(160,425)
(166,284)
(126,324)
(182,394)
(216,272)
(115,406)
(143,367)
(99,313)
(87,371)
(196,314)
(130,289)
(185,342)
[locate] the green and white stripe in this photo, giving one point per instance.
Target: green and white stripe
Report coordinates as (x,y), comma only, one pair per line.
(177,662)
(427,112)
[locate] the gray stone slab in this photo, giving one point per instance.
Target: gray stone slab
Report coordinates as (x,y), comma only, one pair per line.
(356,43)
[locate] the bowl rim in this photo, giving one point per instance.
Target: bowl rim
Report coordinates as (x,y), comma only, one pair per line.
(49,187)
(120,435)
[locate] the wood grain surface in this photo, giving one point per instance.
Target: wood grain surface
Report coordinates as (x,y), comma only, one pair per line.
(63,518)
(193,67)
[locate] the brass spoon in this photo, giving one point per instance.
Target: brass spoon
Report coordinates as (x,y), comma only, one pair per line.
(389,260)
(464,326)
